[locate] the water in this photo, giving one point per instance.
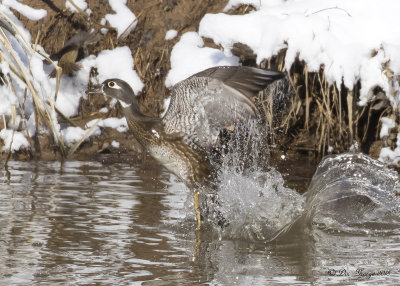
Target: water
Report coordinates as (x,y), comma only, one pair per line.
(83,223)
(354,193)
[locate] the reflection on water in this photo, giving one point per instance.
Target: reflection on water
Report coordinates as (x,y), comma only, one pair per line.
(83,223)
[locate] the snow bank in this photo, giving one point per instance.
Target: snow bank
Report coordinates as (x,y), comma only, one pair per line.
(349,38)
(189,56)
(123,17)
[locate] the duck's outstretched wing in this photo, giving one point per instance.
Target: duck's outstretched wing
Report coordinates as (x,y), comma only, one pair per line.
(213,99)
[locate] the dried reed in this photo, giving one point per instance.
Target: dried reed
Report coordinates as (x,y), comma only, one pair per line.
(328,117)
(43,108)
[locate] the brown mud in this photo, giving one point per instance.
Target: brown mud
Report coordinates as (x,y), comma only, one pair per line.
(311,117)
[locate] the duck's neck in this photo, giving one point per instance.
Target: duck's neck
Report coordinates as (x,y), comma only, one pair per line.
(132,111)
(140,124)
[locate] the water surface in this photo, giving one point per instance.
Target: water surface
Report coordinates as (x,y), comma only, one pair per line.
(84,223)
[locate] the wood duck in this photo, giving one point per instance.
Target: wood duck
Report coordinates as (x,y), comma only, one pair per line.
(200,107)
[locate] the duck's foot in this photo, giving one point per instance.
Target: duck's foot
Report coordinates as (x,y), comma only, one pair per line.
(197,210)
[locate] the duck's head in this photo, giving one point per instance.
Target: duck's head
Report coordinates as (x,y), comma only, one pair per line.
(115,88)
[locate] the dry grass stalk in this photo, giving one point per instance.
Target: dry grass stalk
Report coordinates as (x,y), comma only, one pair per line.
(127,31)
(339,99)
(13,116)
(267,111)
(21,106)
(23,74)
(349,99)
(84,137)
(306,123)
(320,108)
(4,121)
(58,72)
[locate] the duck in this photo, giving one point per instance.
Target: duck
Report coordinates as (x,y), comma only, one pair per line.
(201,106)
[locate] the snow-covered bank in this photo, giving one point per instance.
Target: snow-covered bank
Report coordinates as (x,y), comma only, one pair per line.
(353,41)
(21,58)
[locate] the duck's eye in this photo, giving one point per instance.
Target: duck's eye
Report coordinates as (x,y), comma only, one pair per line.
(111,84)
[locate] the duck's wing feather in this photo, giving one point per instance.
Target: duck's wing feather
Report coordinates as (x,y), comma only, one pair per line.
(213,99)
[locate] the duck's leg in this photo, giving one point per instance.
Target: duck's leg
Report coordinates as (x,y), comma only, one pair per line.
(197,209)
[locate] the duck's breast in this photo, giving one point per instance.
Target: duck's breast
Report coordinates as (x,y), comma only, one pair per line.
(170,159)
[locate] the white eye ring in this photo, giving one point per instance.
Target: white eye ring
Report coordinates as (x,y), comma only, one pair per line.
(111,84)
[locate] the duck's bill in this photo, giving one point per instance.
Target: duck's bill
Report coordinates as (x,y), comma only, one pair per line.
(95,89)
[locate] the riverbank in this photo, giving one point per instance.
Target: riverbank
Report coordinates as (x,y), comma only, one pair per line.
(313,117)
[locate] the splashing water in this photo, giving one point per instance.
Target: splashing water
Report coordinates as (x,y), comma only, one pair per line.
(251,197)
(354,193)
(256,205)
(348,193)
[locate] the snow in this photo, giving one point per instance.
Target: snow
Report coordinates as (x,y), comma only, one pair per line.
(341,35)
(18,140)
(14,125)
(123,17)
(390,156)
(387,124)
(4,67)
(6,12)
(29,12)
(115,144)
(189,56)
(119,124)
(6,99)
(171,34)
(80,3)
(72,135)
